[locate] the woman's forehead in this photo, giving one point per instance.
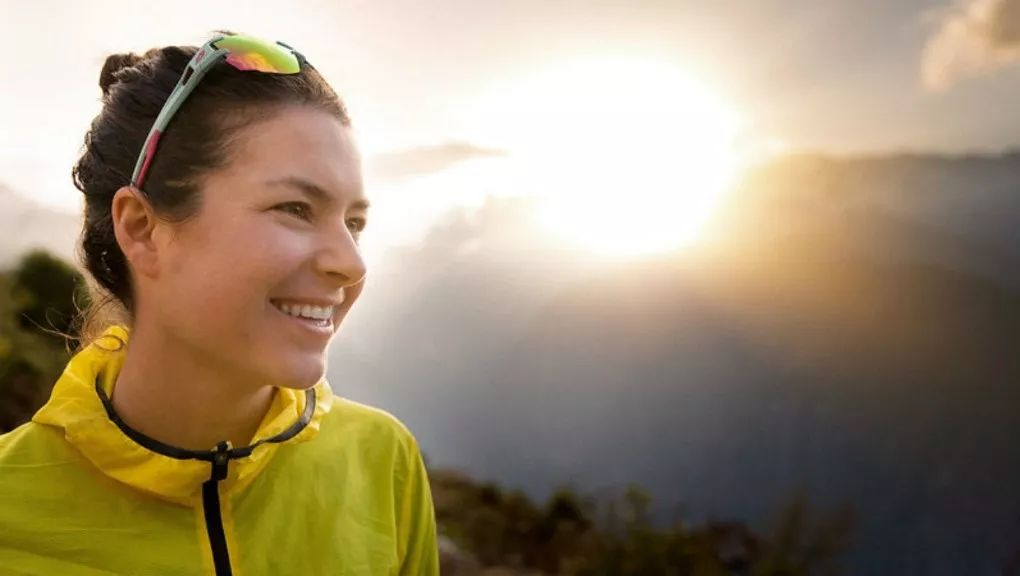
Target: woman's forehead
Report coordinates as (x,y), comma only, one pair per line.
(302,148)
(294,133)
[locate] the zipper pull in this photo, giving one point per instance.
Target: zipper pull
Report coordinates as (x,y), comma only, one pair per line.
(221,457)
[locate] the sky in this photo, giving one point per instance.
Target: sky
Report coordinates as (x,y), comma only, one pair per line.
(448,96)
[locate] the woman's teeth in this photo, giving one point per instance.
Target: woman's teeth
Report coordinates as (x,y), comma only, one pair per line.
(305,310)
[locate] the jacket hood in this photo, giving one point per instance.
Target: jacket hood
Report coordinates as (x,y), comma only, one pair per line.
(79,406)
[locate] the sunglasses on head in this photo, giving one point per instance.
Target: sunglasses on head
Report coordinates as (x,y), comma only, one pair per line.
(243,53)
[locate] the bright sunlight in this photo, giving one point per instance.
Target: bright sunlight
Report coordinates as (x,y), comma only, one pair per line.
(627,156)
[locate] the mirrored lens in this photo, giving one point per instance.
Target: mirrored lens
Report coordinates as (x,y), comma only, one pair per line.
(248,53)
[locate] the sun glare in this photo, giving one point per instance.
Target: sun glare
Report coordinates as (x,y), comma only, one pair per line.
(626,156)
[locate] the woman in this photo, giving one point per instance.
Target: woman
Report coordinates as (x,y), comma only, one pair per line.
(223,206)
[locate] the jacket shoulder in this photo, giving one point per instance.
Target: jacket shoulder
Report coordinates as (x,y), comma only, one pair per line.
(29,443)
(372,433)
(350,417)
(32,456)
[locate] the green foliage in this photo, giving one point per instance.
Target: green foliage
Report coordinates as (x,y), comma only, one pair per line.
(615,536)
(46,289)
(37,306)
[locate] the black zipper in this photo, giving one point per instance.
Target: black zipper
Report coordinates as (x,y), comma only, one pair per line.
(211,509)
(220,458)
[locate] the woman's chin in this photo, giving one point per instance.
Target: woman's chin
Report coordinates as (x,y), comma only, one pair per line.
(301,374)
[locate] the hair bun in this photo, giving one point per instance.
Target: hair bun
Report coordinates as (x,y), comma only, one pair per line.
(113,65)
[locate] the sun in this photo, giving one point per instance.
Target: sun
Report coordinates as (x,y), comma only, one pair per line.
(626,156)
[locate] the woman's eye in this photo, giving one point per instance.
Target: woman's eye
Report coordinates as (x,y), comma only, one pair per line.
(299,209)
(356,225)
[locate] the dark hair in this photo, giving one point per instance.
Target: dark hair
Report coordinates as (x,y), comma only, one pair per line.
(197,140)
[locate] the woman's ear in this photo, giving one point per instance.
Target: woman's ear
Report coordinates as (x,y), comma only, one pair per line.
(134,223)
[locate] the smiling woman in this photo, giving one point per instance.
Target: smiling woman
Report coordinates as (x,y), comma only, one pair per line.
(224,206)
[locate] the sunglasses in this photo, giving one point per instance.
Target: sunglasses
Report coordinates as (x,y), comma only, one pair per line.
(243,53)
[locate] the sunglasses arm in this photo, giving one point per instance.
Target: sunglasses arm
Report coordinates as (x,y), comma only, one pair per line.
(197,67)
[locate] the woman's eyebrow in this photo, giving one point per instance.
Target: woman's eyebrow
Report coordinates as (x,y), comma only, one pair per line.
(315,192)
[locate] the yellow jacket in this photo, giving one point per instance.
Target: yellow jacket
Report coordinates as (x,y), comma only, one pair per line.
(328,486)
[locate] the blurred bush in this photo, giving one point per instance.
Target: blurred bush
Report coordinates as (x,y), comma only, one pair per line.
(489,531)
(38,300)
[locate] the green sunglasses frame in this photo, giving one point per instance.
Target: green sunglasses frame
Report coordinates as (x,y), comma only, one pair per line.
(241,52)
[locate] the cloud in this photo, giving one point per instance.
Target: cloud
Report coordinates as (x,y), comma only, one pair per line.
(426,159)
(973,38)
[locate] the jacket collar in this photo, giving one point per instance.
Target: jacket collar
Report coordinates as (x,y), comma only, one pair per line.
(79,406)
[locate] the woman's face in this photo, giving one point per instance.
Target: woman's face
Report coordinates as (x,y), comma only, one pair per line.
(259,280)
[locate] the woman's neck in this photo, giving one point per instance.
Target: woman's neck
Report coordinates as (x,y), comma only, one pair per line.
(176,396)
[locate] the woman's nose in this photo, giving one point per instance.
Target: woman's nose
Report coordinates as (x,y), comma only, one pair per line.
(339,256)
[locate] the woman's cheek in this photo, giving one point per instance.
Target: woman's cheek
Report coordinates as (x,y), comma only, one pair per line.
(282,251)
